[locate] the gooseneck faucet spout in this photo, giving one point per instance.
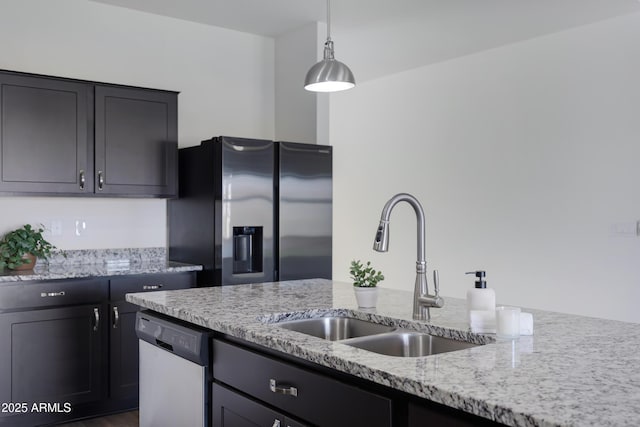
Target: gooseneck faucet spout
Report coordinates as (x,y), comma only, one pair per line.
(421,298)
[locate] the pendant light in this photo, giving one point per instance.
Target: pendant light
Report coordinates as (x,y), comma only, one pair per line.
(329,75)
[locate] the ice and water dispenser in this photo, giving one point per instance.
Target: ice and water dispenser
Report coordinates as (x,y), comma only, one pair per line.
(247,250)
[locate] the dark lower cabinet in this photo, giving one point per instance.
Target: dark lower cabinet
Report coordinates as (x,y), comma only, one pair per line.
(231,409)
(306,395)
(123,351)
(53,355)
(68,348)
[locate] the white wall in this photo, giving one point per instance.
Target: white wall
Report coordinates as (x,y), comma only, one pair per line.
(525,160)
(295,108)
(300,116)
(225,79)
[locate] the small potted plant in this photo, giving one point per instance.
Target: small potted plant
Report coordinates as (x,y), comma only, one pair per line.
(365,280)
(20,248)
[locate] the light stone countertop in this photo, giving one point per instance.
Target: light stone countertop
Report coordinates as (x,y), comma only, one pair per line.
(574,371)
(94,263)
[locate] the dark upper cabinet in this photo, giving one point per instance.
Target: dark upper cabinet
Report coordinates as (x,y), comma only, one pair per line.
(136,141)
(46,143)
(68,137)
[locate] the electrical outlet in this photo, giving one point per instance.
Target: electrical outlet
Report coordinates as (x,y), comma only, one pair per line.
(81,227)
(56,227)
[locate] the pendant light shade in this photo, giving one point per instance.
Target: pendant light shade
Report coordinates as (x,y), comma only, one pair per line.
(329,75)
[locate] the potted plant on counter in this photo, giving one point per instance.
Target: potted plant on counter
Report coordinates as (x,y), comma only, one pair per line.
(20,248)
(365,280)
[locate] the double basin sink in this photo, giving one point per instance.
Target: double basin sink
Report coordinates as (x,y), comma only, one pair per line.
(375,337)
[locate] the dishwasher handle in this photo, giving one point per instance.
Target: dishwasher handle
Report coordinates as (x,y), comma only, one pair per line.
(164,345)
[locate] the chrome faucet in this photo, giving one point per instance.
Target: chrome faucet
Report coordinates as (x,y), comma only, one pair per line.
(422,301)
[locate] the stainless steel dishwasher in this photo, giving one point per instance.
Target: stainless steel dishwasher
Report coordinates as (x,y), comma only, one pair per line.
(175,374)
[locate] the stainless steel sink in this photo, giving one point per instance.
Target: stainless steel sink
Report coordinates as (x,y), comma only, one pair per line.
(336,327)
(404,343)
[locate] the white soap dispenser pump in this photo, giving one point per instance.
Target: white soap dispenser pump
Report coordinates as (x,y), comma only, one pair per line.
(480,297)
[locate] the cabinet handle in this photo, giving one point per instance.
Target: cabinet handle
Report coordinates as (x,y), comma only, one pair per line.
(116,317)
(276,423)
(100,180)
(287,390)
(96,316)
(52,294)
(82,180)
(151,287)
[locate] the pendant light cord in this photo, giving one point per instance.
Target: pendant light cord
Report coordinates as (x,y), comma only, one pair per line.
(328,20)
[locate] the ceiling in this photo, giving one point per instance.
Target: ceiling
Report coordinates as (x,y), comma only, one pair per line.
(398,34)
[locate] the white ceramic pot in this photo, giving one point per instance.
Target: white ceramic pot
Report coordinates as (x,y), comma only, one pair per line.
(366,297)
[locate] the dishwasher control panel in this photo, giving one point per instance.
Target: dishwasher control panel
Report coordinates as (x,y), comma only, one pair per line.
(185,340)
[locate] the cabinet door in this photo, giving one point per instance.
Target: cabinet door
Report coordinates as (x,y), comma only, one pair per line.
(46,145)
(52,355)
(123,351)
(230,409)
(136,142)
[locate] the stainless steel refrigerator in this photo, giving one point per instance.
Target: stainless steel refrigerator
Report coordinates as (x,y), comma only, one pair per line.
(253,211)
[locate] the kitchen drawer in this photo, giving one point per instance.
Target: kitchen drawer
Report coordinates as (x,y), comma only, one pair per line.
(149,282)
(320,400)
(51,293)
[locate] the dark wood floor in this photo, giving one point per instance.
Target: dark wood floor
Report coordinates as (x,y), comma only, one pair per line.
(125,419)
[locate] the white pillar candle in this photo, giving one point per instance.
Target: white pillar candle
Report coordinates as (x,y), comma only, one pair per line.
(507,322)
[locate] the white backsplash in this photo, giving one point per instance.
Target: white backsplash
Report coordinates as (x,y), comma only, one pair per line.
(109,222)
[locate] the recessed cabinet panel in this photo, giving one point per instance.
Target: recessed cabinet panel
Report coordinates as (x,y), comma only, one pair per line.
(45,144)
(136,141)
(230,409)
(53,355)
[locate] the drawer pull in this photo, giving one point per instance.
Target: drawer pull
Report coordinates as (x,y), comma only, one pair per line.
(276,423)
(96,315)
(52,294)
(287,390)
(151,287)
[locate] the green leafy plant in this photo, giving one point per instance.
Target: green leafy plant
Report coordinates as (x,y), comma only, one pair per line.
(24,240)
(364,276)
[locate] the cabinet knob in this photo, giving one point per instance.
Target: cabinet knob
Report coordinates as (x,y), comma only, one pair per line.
(82,180)
(100,180)
(287,390)
(276,423)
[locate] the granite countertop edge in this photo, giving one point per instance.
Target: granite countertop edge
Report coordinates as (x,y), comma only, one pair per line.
(77,271)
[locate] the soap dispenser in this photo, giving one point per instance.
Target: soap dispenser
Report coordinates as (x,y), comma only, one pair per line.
(481,298)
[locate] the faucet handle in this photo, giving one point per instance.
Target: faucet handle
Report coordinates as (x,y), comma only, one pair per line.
(436,282)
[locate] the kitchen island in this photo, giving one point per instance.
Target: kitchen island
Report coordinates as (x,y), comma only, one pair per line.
(575,371)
